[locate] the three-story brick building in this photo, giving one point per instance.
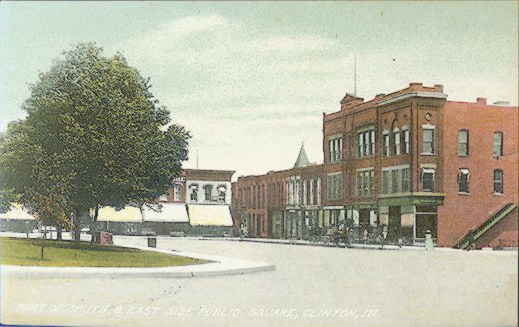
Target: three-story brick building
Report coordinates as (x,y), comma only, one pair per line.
(408,162)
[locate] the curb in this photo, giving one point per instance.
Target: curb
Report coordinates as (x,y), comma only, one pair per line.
(219,267)
(308,243)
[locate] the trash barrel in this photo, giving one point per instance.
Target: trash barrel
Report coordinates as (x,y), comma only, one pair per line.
(152,242)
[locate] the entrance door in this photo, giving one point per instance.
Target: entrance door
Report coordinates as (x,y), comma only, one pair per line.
(426,219)
(393,232)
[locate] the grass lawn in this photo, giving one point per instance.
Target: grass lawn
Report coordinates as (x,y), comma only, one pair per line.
(26,252)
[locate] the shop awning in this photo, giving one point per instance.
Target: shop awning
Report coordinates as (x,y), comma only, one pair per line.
(17,212)
(127,215)
(170,212)
(209,215)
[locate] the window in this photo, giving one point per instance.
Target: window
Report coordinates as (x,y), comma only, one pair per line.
(163,198)
(318,190)
(176,192)
(498,144)
(385,144)
(289,192)
(333,219)
(396,141)
(463,180)
(372,143)
(428,179)
(222,192)
(406,140)
(395,179)
(405,180)
(360,152)
(193,192)
(463,143)
(297,191)
(311,194)
(305,192)
(335,147)
(208,190)
(365,182)
(334,186)
(498,181)
(428,139)
(366,143)
(372,181)
(385,182)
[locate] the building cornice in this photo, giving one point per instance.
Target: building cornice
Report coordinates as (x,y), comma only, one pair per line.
(401,97)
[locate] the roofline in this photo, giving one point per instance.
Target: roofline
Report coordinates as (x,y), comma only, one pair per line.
(413,95)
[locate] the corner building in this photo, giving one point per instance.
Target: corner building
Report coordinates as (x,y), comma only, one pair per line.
(411,161)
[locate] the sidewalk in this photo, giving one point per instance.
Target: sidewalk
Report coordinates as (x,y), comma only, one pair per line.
(310,243)
(219,266)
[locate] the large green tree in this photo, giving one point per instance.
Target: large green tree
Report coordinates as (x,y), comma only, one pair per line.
(94,136)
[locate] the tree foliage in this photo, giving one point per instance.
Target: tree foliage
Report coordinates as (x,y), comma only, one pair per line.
(94,136)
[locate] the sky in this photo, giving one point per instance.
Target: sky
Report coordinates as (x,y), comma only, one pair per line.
(251,80)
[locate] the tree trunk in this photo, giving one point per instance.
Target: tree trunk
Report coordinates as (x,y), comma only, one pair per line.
(77,226)
(93,225)
(59,232)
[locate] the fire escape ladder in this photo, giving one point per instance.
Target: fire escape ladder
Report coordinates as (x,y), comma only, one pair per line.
(465,241)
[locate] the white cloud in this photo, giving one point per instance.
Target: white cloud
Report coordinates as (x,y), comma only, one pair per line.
(286,43)
(181,28)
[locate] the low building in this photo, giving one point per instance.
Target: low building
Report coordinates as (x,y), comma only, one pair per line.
(17,220)
(280,204)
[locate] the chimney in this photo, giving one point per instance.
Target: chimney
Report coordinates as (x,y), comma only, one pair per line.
(482,101)
(415,86)
(438,88)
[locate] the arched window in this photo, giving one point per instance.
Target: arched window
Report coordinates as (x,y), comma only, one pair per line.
(208,190)
(405,132)
(396,141)
(464,180)
(176,192)
(222,192)
(193,192)
(385,143)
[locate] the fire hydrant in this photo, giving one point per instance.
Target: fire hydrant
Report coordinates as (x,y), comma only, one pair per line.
(428,241)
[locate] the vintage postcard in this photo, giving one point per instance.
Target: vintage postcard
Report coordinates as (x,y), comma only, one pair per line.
(313,163)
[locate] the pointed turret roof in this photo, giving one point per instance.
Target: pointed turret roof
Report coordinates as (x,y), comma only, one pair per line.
(302,159)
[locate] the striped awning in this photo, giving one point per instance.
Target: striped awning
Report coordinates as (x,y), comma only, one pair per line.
(209,215)
(127,215)
(17,212)
(170,212)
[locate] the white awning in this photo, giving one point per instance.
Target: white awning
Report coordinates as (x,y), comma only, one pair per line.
(127,215)
(209,215)
(17,212)
(170,212)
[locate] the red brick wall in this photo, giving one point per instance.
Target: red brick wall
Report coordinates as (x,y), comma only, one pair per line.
(504,233)
(461,213)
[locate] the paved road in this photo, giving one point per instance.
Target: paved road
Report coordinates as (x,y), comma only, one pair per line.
(311,286)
